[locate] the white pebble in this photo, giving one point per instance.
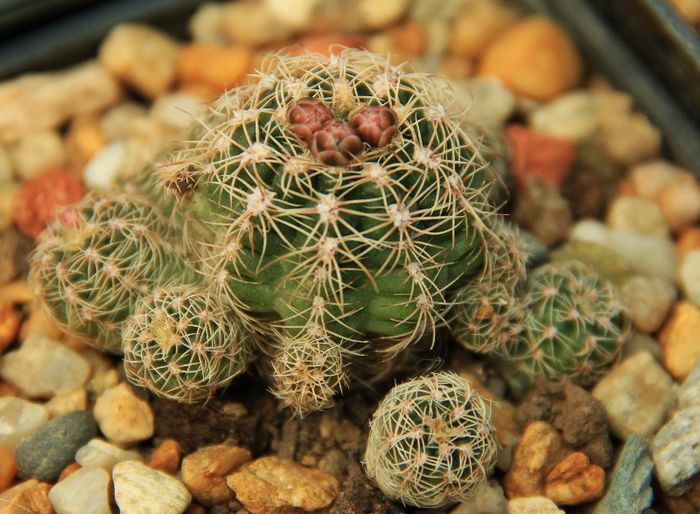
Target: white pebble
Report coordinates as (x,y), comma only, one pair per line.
(85,491)
(637,214)
(488,101)
(101,454)
(380,13)
(102,171)
(139,489)
(296,14)
(19,419)
(178,110)
(43,368)
(571,116)
(676,451)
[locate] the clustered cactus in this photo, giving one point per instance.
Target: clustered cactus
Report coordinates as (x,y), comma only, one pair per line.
(431,441)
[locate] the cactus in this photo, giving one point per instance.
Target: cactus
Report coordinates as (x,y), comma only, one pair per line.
(572,325)
(183,345)
(336,199)
(93,263)
(431,441)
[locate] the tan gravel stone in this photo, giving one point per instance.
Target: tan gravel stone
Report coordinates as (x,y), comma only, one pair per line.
(679,339)
(574,481)
(122,416)
(204,472)
(29,496)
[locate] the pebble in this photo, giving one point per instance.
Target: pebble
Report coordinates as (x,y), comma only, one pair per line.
(629,489)
(122,416)
(20,419)
(142,57)
(678,337)
(542,210)
(67,402)
(689,276)
(647,300)
(689,391)
(139,489)
(38,151)
(296,14)
(86,491)
(206,25)
(101,454)
(220,67)
(10,246)
(178,110)
(7,204)
(489,102)
(489,497)
(539,155)
(10,320)
(271,484)
(676,451)
(535,58)
(377,14)
(27,497)
(68,471)
(166,457)
(204,472)
(533,505)
(83,140)
(688,240)
(475,28)
(104,169)
(45,453)
(34,103)
(642,342)
(571,116)
(638,395)
(245,23)
(43,368)
(574,481)
(637,214)
(6,166)
(8,468)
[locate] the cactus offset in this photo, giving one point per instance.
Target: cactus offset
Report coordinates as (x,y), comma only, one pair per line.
(431,441)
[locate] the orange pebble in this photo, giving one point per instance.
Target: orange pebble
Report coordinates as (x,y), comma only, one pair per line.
(7,389)
(220,67)
(546,157)
(410,38)
(9,324)
(69,470)
(167,456)
(328,44)
(688,240)
(195,508)
(8,468)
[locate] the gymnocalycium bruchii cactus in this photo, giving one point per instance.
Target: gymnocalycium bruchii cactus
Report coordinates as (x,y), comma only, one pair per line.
(431,441)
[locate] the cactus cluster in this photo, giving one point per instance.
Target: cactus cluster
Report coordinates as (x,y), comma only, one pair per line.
(431,441)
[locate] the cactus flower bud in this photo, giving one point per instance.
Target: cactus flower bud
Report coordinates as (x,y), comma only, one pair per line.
(336,142)
(307,116)
(377,124)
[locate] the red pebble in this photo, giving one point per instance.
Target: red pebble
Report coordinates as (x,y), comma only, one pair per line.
(546,157)
(37,199)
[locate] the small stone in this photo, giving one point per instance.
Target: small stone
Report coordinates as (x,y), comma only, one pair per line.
(571,116)
(540,449)
(221,67)
(535,58)
(67,402)
(44,454)
(204,472)
(38,151)
(8,468)
(689,276)
(409,38)
(6,166)
(676,451)
(8,191)
(166,457)
(271,484)
(688,240)
(533,505)
(122,416)
(10,320)
(642,342)
(629,489)
(689,392)
(477,26)
(296,14)
(678,337)
(637,395)
(43,368)
(542,210)
(245,23)
(101,454)
(31,496)
(103,170)
(679,201)
(575,481)
(689,9)
(535,154)
(489,497)
(85,491)
(20,419)
(207,24)
(68,471)
(142,57)
(83,140)
(378,14)
(178,110)
(647,300)
(139,489)
(638,214)
(10,246)
(488,101)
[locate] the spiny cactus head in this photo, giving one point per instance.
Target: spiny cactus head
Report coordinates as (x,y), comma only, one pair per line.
(575,327)
(183,345)
(308,372)
(96,259)
(431,441)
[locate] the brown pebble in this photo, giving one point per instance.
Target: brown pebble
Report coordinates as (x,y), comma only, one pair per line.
(68,470)
(574,480)
(166,457)
(30,496)
(204,472)
(9,324)
(8,468)
(220,67)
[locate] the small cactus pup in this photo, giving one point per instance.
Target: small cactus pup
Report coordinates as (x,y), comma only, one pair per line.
(573,325)
(431,441)
(183,345)
(96,259)
(337,199)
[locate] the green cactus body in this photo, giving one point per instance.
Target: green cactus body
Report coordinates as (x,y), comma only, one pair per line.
(370,250)
(572,326)
(431,441)
(94,262)
(183,345)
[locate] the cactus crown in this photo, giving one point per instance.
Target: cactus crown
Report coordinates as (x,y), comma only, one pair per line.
(431,441)
(183,345)
(94,262)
